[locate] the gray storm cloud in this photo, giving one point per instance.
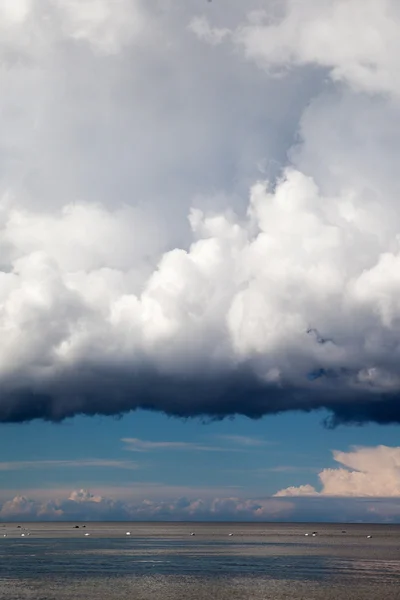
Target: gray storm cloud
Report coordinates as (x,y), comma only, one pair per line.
(198,211)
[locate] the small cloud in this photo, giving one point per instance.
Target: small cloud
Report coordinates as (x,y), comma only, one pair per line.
(84,496)
(203,30)
(301,490)
(20,506)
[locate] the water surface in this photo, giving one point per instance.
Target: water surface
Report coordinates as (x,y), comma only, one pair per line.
(163,560)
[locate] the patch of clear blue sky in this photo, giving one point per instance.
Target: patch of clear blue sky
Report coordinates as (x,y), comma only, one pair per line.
(294,440)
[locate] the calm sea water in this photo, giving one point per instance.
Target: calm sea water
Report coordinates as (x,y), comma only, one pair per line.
(164,561)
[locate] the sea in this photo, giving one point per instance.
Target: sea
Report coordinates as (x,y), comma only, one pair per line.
(199,561)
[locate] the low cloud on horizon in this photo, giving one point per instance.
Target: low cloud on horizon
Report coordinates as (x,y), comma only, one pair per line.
(86,506)
(365,489)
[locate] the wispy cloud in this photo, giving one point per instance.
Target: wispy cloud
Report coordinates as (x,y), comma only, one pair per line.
(243,440)
(51,464)
(138,445)
(287,469)
(264,471)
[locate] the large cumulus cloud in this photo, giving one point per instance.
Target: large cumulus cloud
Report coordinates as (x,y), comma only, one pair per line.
(181,230)
(365,472)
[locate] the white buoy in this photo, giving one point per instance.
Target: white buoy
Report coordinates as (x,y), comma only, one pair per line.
(22,535)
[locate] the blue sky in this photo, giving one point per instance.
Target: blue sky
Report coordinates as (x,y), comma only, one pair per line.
(199,242)
(238,457)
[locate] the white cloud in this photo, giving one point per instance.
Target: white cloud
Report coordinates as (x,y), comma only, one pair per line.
(356,40)
(213,35)
(301,490)
(31,28)
(84,496)
(19,507)
(367,472)
(108,26)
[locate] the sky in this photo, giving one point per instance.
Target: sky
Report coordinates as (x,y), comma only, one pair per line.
(199,260)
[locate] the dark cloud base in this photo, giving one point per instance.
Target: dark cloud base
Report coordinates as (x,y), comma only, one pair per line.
(104,391)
